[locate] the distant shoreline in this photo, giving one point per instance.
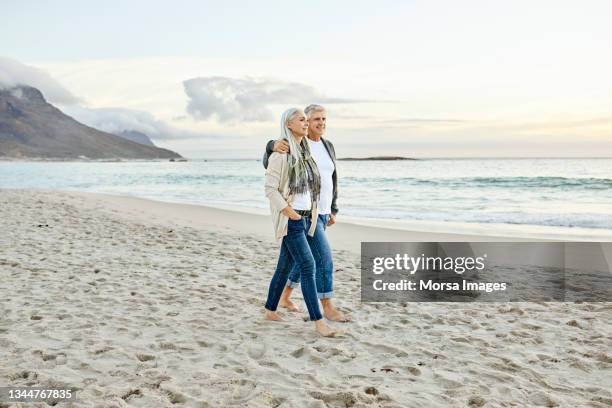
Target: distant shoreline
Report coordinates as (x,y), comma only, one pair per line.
(380,158)
(200,159)
(84,160)
(350,232)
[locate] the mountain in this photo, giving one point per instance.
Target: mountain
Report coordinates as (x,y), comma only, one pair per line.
(135,136)
(30,127)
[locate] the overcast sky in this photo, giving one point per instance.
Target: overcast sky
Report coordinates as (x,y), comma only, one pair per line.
(416,78)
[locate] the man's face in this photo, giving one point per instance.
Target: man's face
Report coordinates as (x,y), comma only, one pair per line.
(317,122)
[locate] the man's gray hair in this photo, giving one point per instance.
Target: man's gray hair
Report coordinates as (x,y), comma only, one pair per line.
(312,109)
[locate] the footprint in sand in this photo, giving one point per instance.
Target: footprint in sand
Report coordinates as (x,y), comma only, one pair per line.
(299,352)
(413,370)
(23,375)
(476,401)
(378,347)
(346,399)
(174,395)
(145,357)
(447,382)
(540,398)
(131,394)
(167,346)
(257,351)
(271,364)
(342,354)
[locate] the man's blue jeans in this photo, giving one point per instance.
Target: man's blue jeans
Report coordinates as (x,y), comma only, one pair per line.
(296,251)
(323,257)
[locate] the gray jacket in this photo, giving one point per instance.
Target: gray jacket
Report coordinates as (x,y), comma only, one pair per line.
(332,154)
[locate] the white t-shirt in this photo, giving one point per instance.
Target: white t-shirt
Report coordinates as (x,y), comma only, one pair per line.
(326,169)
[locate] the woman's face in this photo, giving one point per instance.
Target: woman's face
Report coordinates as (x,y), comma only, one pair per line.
(298,124)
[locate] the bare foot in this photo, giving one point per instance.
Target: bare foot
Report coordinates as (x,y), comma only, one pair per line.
(335,315)
(288,304)
(274,316)
(323,329)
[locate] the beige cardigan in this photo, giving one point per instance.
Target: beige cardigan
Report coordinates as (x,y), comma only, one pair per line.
(277,191)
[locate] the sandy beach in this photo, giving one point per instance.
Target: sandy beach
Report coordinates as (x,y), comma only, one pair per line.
(148,304)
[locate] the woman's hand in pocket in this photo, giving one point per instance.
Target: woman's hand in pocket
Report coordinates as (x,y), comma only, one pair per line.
(290,212)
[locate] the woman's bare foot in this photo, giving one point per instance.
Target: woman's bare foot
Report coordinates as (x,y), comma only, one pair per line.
(274,316)
(288,304)
(323,329)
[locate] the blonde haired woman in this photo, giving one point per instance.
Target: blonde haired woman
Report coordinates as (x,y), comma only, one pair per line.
(294,178)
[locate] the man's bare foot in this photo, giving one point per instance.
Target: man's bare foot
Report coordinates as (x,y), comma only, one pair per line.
(336,316)
(270,315)
(323,329)
(331,313)
(288,304)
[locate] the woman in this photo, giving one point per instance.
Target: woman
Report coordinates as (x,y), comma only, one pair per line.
(293,179)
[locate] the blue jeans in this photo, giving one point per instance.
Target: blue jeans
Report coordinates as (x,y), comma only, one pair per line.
(295,251)
(323,257)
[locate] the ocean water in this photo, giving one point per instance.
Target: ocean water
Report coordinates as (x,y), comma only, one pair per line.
(571,193)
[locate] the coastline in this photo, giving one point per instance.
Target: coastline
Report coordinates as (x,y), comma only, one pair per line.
(513,201)
(343,236)
(347,234)
(143,303)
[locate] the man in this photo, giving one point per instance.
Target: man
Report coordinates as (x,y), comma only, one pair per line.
(325,156)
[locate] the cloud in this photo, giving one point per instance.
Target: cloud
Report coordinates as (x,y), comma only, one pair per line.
(398,121)
(114,120)
(233,100)
(14,73)
(423,120)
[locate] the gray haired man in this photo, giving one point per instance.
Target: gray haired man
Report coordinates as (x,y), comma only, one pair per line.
(325,156)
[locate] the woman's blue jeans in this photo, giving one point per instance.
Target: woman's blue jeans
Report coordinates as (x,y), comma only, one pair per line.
(295,250)
(323,258)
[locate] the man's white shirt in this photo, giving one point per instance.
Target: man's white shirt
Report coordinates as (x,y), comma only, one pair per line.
(326,170)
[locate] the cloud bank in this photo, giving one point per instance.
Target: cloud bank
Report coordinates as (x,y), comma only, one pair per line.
(115,120)
(14,73)
(233,100)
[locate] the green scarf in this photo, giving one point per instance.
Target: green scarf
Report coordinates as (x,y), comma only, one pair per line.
(303,171)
